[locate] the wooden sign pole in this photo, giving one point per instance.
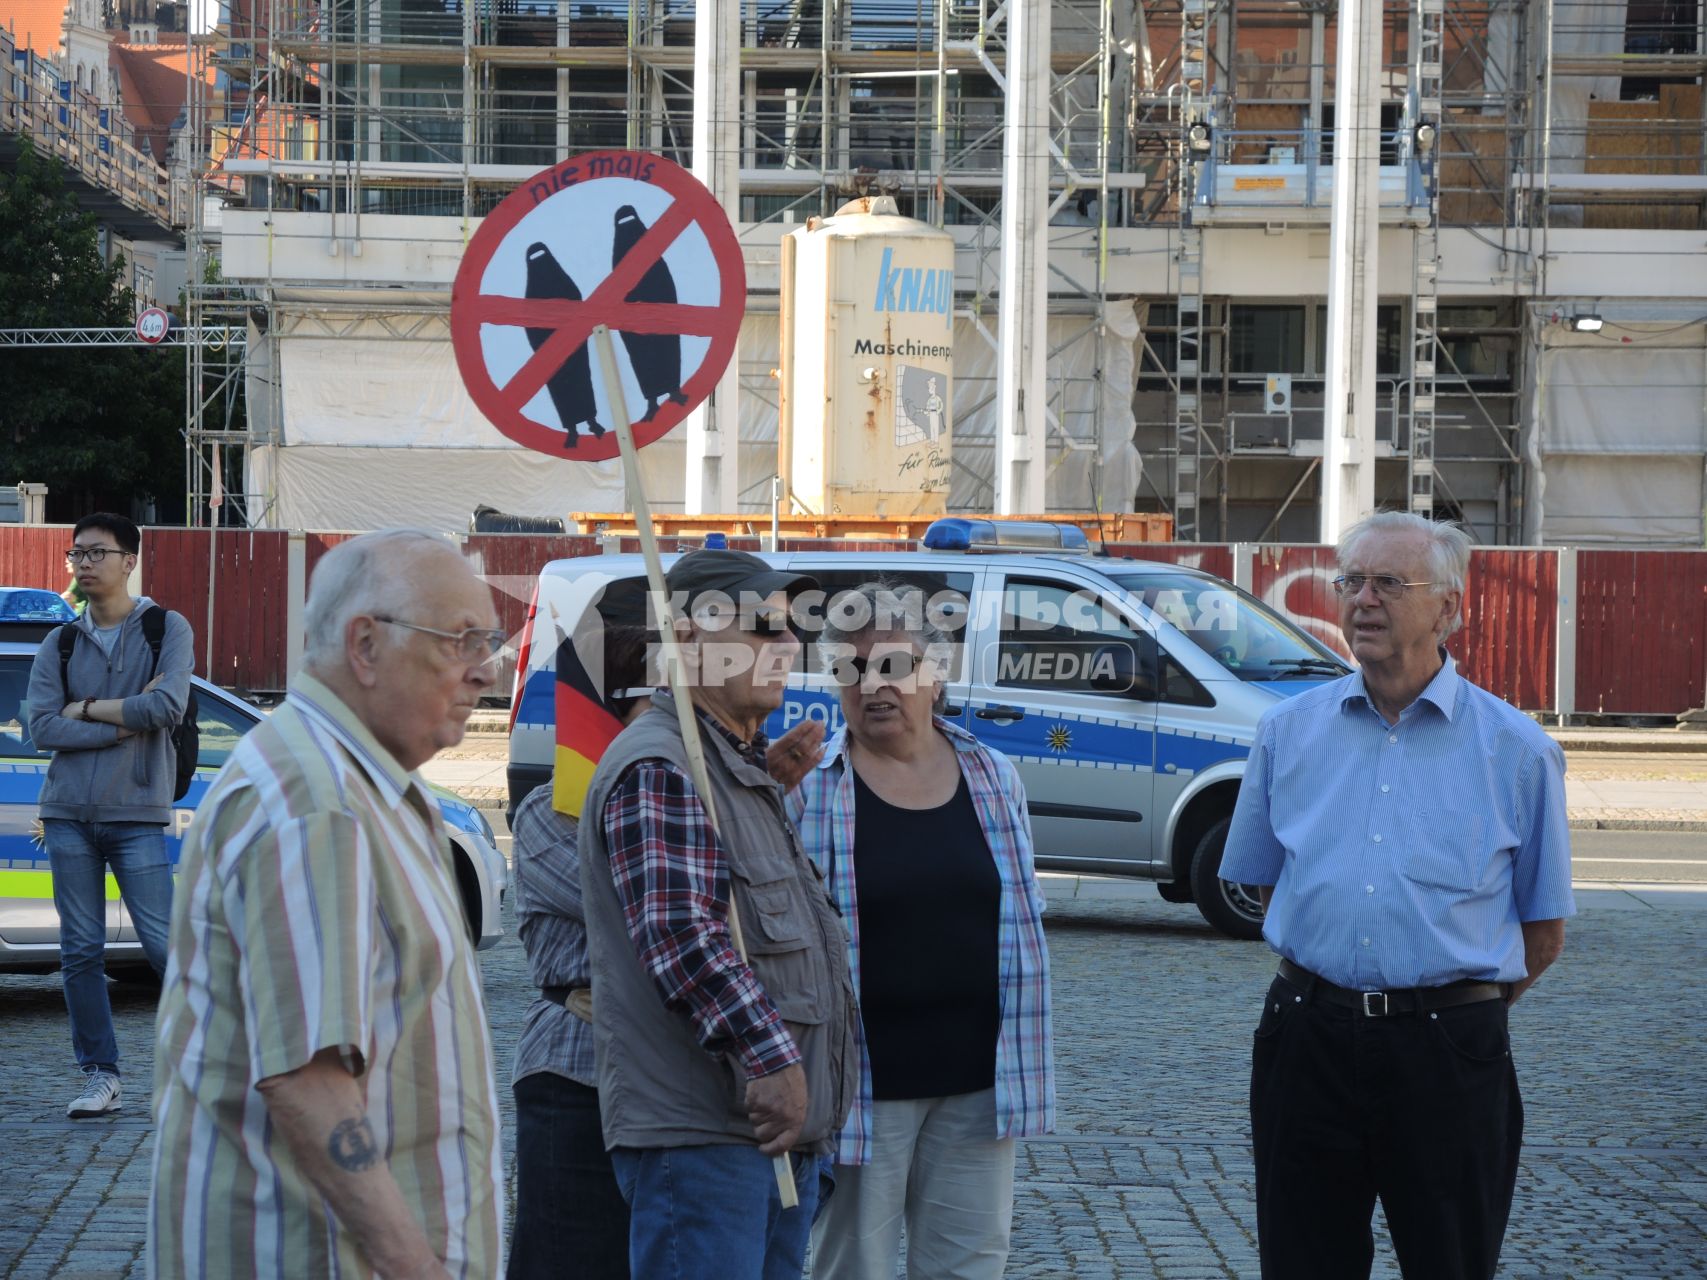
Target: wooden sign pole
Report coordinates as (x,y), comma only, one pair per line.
(618,404)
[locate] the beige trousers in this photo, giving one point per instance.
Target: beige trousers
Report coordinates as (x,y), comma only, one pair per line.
(938,1170)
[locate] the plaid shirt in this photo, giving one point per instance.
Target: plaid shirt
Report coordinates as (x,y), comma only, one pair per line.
(672,879)
(823,808)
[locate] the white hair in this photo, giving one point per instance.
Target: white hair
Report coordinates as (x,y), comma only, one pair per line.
(360,577)
(1448,550)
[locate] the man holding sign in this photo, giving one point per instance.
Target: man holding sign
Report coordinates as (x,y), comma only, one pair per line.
(725,1027)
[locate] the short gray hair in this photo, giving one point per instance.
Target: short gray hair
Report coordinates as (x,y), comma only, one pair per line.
(1448,549)
(881,605)
(358,577)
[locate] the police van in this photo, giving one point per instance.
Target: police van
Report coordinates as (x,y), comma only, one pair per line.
(1126,693)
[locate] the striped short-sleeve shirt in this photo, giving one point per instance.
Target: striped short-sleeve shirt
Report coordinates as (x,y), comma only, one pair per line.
(317,908)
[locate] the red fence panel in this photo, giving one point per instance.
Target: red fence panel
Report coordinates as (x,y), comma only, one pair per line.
(250,587)
(510,563)
(1641,631)
(34,556)
(1509,641)
(1298,581)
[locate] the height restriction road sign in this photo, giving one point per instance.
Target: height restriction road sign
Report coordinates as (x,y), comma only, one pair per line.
(153,325)
(620,238)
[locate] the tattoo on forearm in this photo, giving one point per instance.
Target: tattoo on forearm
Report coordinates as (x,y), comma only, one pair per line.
(352,1146)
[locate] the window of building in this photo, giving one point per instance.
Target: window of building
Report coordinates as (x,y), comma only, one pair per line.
(1266,339)
(1474,346)
(1391,335)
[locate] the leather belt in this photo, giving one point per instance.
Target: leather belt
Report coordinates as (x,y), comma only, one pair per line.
(1381,1004)
(578,1000)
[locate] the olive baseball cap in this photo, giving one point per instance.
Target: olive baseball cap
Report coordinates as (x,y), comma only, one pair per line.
(732,573)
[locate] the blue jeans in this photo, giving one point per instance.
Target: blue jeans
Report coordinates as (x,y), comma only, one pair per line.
(713,1213)
(570,1216)
(79,854)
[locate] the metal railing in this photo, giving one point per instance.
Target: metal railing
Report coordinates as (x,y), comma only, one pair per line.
(93,141)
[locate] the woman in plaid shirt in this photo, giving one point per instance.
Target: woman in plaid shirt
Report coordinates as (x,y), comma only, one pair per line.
(923,834)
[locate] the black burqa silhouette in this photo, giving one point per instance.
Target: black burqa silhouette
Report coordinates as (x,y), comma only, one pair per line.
(571,386)
(656,357)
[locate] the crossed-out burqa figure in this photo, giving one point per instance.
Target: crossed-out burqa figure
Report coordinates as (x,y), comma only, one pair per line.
(708,1065)
(323,1084)
(1413,830)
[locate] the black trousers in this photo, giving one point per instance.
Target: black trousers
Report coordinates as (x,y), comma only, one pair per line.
(1421,1110)
(571,1219)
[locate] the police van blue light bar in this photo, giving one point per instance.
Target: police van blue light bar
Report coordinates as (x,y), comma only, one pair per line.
(958,534)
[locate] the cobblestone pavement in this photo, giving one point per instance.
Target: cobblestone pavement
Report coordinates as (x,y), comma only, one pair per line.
(1150,1174)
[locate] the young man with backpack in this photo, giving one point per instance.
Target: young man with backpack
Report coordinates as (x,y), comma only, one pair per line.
(108,696)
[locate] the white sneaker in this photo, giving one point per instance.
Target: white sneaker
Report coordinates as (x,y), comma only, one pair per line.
(102,1092)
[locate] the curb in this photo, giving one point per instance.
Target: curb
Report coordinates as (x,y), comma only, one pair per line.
(1682,743)
(1638,824)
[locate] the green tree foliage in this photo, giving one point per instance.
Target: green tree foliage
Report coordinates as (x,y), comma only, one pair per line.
(100,426)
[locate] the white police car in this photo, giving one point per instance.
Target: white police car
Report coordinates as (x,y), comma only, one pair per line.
(29,925)
(1127,693)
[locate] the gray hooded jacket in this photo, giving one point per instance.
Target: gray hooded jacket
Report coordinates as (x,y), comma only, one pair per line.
(94,776)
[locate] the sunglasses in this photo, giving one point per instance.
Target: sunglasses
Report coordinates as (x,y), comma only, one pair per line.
(898,664)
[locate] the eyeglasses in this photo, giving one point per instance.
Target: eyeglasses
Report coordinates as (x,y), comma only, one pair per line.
(92,555)
(897,664)
(1386,585)
(476,644)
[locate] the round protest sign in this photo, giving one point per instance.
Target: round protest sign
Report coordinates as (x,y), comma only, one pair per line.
(620,238)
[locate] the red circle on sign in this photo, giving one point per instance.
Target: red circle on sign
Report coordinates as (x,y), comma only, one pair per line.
(563,327)
(153,325)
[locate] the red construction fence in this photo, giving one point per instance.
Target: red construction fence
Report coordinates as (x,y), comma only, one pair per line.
(1553,630)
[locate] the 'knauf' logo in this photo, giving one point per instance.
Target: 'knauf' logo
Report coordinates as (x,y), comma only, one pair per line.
(914,289)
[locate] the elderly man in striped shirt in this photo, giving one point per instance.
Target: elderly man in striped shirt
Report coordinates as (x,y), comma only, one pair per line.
(1412,830)
(323,1080)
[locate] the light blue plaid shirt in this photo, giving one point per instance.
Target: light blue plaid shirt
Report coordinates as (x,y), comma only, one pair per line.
(823,810)
(1403,855)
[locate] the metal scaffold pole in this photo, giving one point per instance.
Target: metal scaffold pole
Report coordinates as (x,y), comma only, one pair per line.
(1021,386)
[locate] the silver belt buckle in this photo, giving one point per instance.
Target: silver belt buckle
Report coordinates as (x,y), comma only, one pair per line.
(1370,1009)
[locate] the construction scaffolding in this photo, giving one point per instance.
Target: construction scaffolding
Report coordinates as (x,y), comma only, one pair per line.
(1174,127)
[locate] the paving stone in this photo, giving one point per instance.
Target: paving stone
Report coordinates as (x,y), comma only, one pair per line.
(1150,1174)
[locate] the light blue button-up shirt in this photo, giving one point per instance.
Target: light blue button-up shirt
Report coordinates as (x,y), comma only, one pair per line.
(1403,855)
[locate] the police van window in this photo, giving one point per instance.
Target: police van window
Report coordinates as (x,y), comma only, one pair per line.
(945,603)
(1236,629)
(15,740)
(1070,641)
(218,727)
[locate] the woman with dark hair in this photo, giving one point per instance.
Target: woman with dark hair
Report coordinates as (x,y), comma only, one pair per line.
(923,834)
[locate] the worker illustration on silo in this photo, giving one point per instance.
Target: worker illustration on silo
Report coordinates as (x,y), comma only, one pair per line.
(933,410)
(571,385)
(655,357)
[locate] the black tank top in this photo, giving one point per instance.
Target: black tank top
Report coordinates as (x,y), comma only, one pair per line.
(929,900)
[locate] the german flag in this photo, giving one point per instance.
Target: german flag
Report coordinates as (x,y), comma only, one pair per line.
(585,727)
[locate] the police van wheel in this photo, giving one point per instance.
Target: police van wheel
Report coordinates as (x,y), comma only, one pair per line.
(1234,909)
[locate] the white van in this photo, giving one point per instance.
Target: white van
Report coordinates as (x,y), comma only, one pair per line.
(1126,692)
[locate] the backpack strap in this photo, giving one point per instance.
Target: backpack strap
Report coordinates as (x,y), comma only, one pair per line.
(67,642)
(154,631)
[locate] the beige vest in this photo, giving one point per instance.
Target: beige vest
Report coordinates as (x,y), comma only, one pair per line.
(657,1087)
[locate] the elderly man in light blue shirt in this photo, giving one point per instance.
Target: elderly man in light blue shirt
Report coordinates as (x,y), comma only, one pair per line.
(1410,832)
